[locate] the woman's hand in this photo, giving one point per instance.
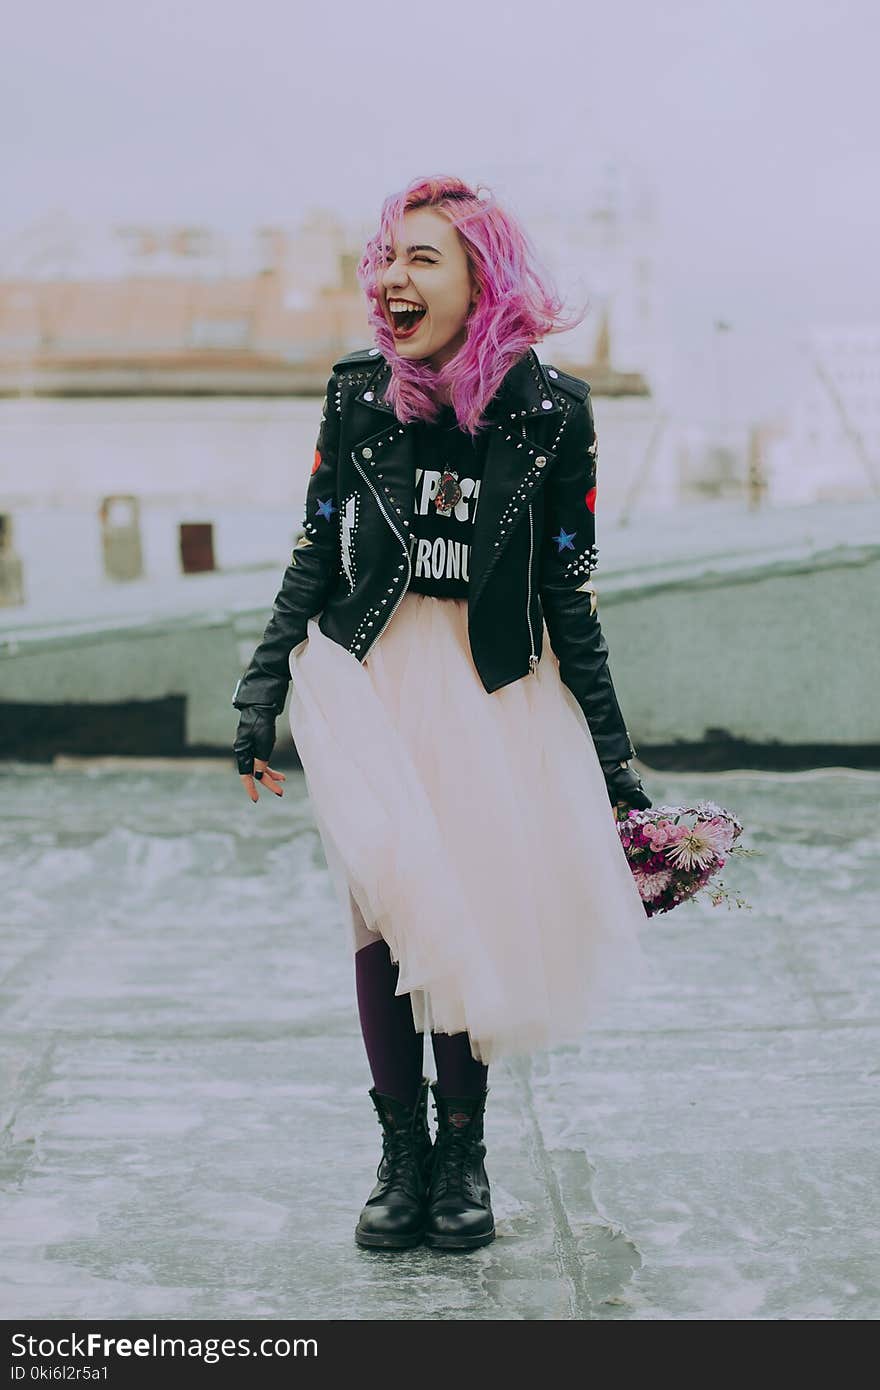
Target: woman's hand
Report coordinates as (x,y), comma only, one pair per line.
(625,790)
(267,776)
(253,746)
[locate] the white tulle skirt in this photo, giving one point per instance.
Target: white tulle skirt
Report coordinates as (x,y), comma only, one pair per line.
(472,831)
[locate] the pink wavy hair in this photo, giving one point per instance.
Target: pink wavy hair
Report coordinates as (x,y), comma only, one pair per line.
(517,306)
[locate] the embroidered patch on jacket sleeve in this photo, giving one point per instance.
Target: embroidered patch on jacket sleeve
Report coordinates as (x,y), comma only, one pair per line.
(565,540)
(348,520)
(589,588)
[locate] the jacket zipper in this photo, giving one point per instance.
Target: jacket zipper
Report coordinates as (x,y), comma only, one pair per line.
(405,545)
(533,659)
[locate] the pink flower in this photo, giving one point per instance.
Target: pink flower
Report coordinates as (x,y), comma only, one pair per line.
(650,885)
(696,849)
(714,832)
(724,831)
(660,833)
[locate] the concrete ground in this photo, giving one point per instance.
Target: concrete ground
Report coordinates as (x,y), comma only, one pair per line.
(186,1131)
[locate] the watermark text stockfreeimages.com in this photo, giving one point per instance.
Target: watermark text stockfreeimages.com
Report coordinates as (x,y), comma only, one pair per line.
(95,1345)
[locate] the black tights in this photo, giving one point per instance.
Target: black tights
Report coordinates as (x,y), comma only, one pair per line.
(395,1049)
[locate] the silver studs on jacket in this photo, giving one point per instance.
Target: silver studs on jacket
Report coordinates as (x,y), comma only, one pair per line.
(531,478)
(367,453)
(525,486)
(582,564)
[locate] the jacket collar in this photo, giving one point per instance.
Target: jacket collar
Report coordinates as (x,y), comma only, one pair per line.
(524,394)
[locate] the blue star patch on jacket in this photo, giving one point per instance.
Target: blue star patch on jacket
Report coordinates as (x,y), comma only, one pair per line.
(325,508)
(565,540)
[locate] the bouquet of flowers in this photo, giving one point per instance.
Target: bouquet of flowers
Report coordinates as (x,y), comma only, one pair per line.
(675,851)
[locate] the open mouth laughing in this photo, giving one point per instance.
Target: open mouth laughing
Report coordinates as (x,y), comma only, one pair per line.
(406,316)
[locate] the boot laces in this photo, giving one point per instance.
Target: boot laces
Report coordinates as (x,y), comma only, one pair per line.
(400,1160)
(453,1150)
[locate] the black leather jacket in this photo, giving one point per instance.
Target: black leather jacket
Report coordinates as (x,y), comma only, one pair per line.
(533,545)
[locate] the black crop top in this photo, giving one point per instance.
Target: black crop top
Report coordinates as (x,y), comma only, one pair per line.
(447,492)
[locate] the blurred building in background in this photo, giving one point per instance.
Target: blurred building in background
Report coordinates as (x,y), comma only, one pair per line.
(603,256)
(178,310)
(831,450)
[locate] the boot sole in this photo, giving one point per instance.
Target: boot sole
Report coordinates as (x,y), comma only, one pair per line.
(441,1242)
(379,1242)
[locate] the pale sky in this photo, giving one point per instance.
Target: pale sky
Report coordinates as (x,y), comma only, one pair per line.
(755,124)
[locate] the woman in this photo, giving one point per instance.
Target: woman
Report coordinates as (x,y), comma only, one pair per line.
(459,769)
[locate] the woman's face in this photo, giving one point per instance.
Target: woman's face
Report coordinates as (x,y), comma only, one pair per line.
(428,269)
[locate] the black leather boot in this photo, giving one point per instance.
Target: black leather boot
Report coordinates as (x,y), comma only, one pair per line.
(394,1214)
(459,1210)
